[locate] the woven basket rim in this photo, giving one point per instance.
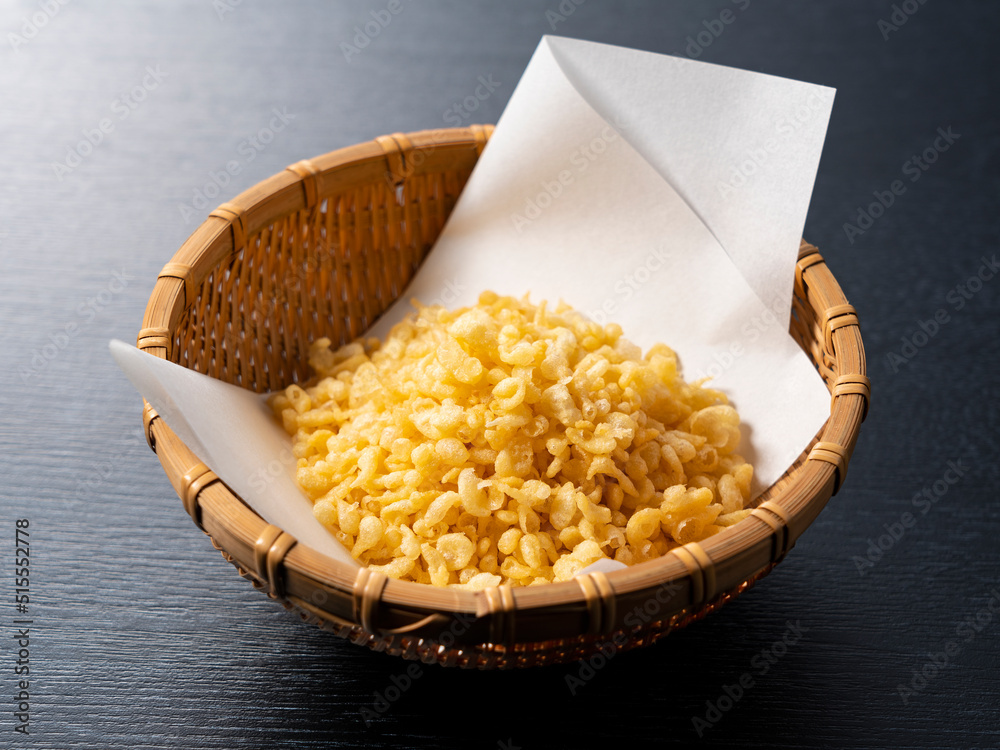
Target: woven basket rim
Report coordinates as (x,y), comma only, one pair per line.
(783,511)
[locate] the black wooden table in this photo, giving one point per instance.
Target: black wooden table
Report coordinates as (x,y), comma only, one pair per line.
(123,124)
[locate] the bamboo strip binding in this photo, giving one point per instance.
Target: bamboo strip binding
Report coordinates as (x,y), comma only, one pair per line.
(235,215)
(235,302)
(701,570)
(775,517)
(307,172)
(835,454)
(270,550)
(153,337)
(500,604)
(599,596)
(852,384)
(368,588)
(195,479)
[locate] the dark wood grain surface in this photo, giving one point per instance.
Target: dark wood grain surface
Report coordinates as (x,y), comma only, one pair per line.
(143,637)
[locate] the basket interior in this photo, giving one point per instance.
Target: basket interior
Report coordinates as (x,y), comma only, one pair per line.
(329,270)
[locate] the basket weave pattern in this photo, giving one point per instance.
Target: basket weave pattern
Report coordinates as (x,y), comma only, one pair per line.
(322,249)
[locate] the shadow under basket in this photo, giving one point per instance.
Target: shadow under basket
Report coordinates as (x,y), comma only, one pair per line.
(322,249)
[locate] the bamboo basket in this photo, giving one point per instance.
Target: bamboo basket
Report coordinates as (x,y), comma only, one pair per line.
(322,249)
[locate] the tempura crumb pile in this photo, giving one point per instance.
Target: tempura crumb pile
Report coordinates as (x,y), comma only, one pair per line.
(510,443)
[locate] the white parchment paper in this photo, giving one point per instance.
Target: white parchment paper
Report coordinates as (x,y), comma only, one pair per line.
(663,194)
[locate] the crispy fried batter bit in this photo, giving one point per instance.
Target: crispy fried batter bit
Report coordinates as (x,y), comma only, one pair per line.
(510,443)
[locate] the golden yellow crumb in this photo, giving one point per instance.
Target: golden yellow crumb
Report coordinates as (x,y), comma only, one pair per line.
(510,443)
